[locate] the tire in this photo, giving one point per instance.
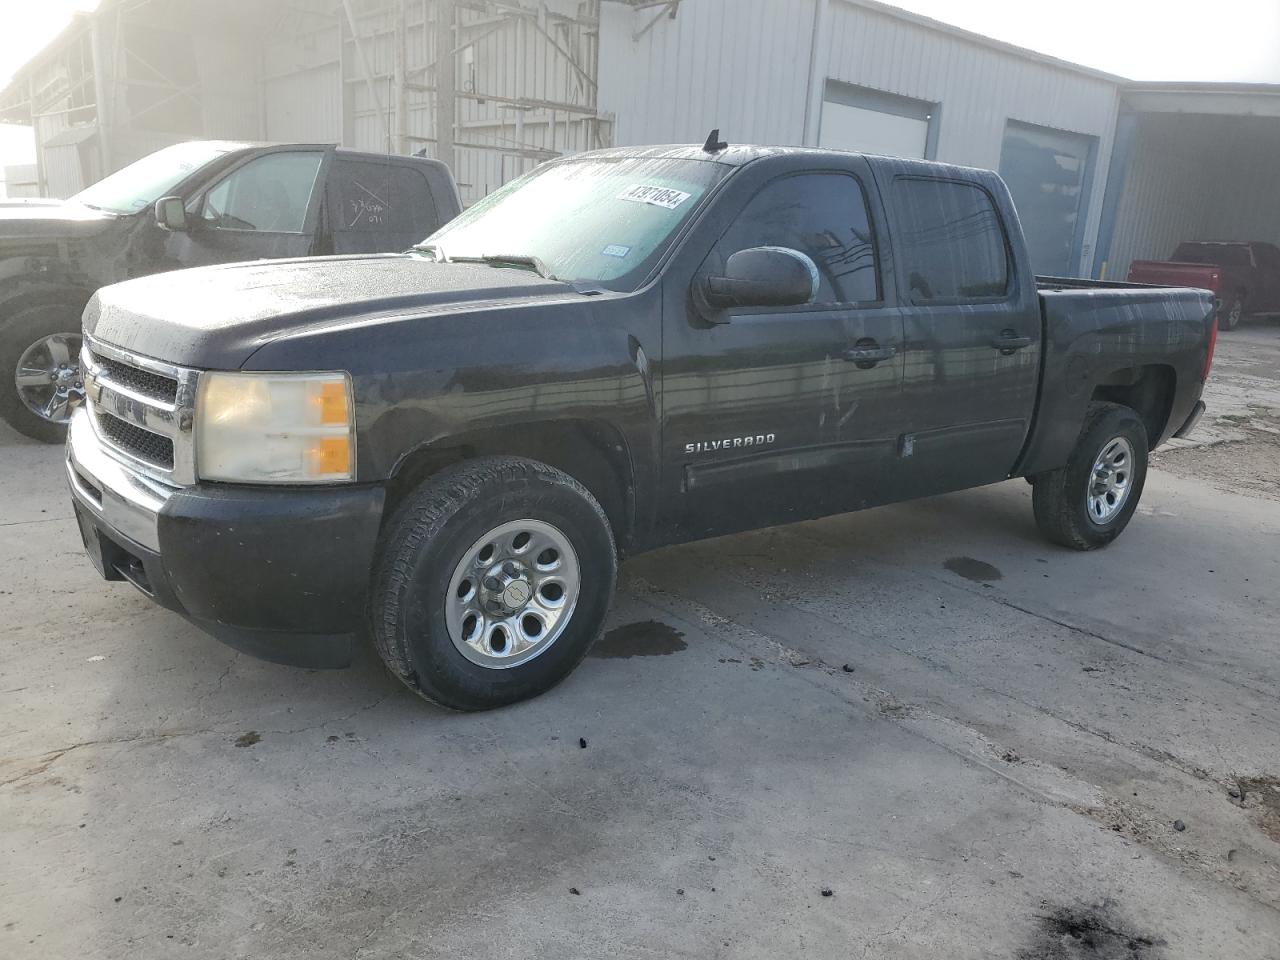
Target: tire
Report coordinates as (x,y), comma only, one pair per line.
(1070,509)
(1233,312)
(417,614)
(20,337)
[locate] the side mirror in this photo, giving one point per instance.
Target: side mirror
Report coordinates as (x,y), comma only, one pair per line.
(763,277)
(171,213)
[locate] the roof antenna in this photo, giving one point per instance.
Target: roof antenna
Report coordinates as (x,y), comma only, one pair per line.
(714,144)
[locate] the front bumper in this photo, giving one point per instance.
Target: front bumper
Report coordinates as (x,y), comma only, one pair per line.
(279,573)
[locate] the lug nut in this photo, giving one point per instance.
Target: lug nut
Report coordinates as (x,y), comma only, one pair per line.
(510,569)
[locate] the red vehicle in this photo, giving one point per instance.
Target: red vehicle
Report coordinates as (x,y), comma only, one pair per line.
(1244,276)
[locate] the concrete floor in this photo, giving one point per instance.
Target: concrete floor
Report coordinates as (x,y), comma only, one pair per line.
(976,742)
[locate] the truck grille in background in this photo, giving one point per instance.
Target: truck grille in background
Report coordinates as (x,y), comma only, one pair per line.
(142,410)
(137,442)
(143,382)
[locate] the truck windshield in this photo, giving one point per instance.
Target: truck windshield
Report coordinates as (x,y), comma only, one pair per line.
(594,220)
(145,181)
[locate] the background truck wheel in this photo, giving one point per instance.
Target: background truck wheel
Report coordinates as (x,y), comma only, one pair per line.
(1085,504)
(492,582)
(40,379)
(1233,312)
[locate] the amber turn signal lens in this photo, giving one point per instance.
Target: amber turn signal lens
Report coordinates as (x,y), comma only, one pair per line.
(332,398)
(331,456)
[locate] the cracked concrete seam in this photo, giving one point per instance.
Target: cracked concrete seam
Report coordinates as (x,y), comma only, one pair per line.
(49,758)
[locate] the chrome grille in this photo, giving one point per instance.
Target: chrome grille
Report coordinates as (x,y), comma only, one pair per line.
(143,382)
(142,410)
(138,442)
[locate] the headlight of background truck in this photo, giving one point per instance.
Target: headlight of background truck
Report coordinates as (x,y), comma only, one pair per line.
(275,428)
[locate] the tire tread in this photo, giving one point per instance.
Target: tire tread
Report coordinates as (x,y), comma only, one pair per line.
(416,523)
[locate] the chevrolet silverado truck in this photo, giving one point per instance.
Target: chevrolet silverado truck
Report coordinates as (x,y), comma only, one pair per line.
(187,205)
(1244,277)
(448,450)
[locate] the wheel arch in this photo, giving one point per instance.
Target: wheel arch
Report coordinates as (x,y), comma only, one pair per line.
(19,294)
(1149,390)
(591,451)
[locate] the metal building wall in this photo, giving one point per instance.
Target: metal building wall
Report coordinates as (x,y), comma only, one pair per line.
(523,76)
(1196,177)
(745,66)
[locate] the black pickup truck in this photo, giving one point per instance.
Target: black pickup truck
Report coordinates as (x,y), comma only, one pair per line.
(449,449)
(184,206)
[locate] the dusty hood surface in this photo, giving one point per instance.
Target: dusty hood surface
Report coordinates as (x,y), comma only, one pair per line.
(42,218)
(216,317)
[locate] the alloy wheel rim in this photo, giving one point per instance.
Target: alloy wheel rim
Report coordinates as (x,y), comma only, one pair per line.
(1111,480)
(48,377)
(512,594)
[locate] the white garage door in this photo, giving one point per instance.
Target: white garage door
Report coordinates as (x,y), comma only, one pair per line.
(857,118)
(854,128)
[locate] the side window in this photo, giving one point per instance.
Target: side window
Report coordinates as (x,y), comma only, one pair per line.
(952,245)
(823,215)
(389,198)
(269,194)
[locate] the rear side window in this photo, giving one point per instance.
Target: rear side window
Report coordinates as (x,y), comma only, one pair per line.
(952,242)
(823,215)
(384,198)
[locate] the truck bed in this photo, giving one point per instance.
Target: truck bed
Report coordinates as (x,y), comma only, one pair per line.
(1092,329)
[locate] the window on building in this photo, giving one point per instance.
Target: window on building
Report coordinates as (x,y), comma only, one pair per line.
(270,194)
(953,244)
(823,215)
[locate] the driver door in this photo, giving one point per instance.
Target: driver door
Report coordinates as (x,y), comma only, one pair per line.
(266,207)
(774,414)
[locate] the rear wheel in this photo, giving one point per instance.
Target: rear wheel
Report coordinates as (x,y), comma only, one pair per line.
(1089,501)
(40,370)
(492,583)
(1233,312)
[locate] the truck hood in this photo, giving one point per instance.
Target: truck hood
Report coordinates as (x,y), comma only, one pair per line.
(51,219)
(216,317)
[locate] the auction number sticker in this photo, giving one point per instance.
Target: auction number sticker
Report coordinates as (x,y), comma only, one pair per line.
(663,197)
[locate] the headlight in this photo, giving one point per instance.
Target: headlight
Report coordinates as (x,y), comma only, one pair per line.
(275,428)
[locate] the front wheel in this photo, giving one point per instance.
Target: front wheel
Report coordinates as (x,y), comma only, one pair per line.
(493,581)
(40,377)
(1087,503)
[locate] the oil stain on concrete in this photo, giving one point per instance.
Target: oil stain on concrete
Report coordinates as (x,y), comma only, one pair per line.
(976,570)
(646,638)
(1089,933)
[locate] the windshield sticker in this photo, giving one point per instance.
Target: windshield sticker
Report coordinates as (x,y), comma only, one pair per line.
(616,250)
(663,197)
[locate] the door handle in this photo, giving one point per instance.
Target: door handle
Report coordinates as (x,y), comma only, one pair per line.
(1009,341)
(868,357)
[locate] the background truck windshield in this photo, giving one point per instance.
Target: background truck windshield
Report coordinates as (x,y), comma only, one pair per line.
(603,221)
(145,181)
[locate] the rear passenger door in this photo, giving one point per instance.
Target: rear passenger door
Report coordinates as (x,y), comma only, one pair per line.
(378,206)
(771,415)
(972,331)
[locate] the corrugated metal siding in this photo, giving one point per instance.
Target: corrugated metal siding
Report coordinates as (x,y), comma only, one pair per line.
(304,106)
(743,66)
(311,73)
(1162,203)
(1196,178)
